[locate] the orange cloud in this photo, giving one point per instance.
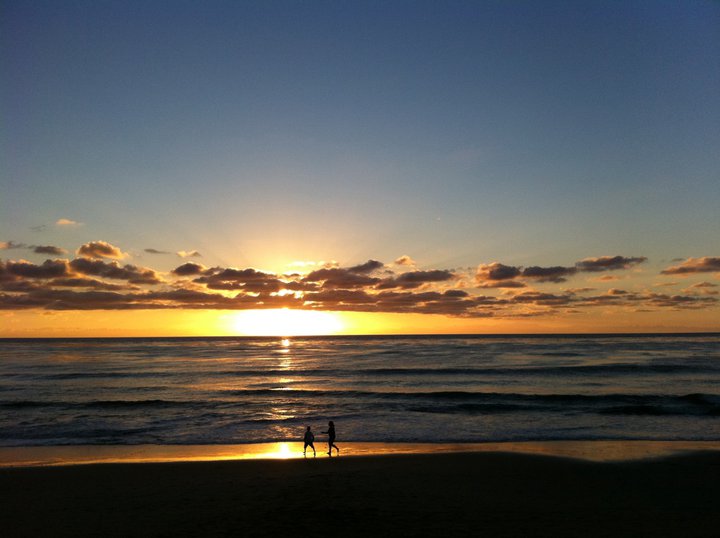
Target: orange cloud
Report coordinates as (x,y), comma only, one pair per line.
(67,222)
(101,249)
(706,264)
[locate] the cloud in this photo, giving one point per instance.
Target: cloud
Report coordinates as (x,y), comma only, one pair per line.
(189,269)
(38,249)
(549,274)
(86,283)
(367,267)
(67,223)
(414,279)
(101,249)
(189,254)
(48,269)
(607,278)
(496,271)
(131,273)
(498,275)
(49,249)
(538,298)
(404,260)
(155,251)
(680,302)
(337,277)
(706,288)
(502,284)
(608,263)
(78,282)
(704,285)
(238,279)
(706,264)
(8,245)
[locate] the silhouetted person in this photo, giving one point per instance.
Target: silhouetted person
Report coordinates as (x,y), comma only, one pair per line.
(331,438)
(309,438)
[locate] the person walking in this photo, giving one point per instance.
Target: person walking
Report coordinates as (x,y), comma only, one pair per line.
(331,438)
(309,439)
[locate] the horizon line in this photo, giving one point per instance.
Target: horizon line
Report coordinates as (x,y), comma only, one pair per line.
(372,335)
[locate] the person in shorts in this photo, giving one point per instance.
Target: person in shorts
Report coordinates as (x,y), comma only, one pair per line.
(309,438)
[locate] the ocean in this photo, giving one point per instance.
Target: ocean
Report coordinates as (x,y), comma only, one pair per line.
(127,391)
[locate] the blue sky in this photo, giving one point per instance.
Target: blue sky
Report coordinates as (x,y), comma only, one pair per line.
(459,133)
(455,132)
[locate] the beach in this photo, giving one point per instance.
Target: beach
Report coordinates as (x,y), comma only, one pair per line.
(498,494)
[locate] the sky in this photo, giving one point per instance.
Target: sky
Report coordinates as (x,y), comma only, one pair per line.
(375,166)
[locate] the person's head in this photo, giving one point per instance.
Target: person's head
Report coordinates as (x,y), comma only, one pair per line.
(331,423)
(308,428)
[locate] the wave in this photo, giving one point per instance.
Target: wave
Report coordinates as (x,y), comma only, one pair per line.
(451,402)
(543,370)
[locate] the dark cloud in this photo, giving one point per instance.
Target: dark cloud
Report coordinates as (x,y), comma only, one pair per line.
(131,273)
(155,251)
(189,269)
(415,279)
(680,302)
(38,249)
(498,275)
(549,274)
(496,271)
(608,263)
(49,249)
(705,264)
(615,291)
(337,277)
(337,298)
(48,269)
(367,267)
(229,279)
(100,249)
(18,285)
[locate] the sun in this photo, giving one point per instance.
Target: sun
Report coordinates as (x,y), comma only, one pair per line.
(286,322)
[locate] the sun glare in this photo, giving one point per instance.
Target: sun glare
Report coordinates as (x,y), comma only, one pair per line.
(286,322)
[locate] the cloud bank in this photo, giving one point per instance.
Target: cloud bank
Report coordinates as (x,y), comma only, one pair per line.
(96,280)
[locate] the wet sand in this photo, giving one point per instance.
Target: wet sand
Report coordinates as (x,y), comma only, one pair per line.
(494,494)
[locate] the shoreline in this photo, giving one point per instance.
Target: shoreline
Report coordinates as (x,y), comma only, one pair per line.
(594,451)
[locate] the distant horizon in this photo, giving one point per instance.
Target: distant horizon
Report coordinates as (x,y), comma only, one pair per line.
(366,335)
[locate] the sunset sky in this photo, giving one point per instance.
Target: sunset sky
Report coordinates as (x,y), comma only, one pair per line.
(181,168)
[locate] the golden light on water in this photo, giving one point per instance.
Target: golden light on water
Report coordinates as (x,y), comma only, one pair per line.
(286,322)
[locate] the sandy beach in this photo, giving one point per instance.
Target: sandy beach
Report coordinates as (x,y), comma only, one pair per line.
(498,494)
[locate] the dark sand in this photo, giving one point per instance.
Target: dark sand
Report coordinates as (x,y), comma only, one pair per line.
(480,494)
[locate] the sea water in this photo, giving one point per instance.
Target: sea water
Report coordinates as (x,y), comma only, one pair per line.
(384,388)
